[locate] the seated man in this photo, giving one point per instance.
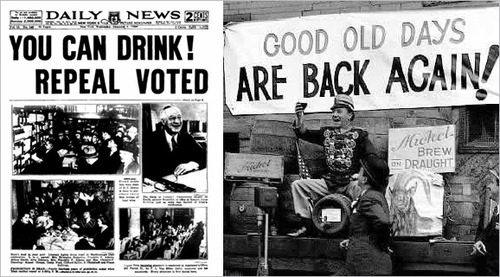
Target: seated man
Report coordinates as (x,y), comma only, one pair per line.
(24,234)
(343,146)
(67,218)
(44,221)
(170,151)
(86,227)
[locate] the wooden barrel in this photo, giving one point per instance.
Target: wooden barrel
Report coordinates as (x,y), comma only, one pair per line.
(331,214)
(286,219)
(314,158)
(242,209)
(464,207)
(278,138)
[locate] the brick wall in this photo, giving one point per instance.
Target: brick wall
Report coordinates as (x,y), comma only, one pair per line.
(237,11)
(465,187)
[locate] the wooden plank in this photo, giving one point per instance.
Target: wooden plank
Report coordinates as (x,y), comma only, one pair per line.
(243,192)
(465,213)
(438,267)
(473,198)
(316,265)
(329,266)
(273,127)
(273,144)
(439,252)
(253,165)
(286,118)
(283,246)
(240,125)
(273,137)
(457,253)
(464,232)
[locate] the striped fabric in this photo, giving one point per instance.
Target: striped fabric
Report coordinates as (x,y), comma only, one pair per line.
(303,170)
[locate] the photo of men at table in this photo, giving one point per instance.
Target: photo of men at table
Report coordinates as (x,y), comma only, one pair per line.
(169,234)
(175,146)
(76,139)
(62,215)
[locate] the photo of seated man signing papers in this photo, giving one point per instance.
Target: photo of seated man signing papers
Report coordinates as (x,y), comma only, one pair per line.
(175,154)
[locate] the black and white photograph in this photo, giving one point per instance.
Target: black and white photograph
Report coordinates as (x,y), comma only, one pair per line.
(361,138)
(76,139)
(104,141)
(62,215)
(163,233)
(175,147)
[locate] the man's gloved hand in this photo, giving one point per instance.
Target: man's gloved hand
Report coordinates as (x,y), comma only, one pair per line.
(478,247)
(300,108)
(344,244)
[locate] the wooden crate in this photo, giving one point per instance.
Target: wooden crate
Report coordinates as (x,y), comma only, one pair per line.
(253,167)
(465,208)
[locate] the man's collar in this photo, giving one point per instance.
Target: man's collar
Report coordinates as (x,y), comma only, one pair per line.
(125,164)
(169,136)
(341,130)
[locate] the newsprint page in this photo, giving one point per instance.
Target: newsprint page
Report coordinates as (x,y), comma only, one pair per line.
(111,139)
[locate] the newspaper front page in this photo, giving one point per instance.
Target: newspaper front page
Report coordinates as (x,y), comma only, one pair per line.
(109,164)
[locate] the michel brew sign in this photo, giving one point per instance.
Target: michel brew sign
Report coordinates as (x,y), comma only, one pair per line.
(426,148)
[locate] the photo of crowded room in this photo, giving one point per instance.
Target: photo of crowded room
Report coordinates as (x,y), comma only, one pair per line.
(170,234)
(76,139)
(175,147)
(62,215)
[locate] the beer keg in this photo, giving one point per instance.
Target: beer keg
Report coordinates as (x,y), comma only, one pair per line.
(331,214)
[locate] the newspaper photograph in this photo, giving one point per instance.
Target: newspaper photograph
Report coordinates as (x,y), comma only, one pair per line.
(175,147)
(171,234)
(105,109)
(63,215)
(76,139)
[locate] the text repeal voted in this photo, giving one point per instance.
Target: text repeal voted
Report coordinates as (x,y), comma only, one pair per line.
(89,80)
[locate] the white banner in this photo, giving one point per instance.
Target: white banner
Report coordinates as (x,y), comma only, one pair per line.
(384,60)
(426,148)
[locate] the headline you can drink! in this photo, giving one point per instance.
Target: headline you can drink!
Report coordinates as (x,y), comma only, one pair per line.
(102,80)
